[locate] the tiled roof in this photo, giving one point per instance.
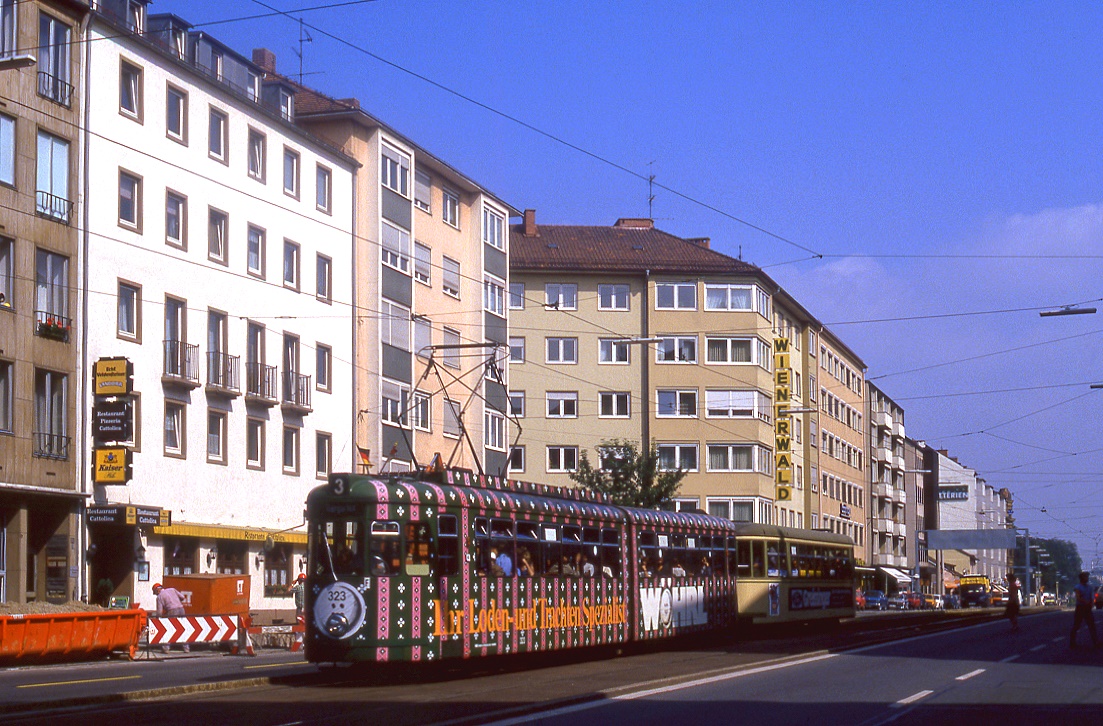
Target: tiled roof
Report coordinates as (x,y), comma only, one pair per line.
(616,249)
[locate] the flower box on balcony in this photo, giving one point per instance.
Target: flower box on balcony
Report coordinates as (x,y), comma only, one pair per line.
(55,328)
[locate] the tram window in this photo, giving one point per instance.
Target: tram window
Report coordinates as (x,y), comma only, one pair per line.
(528,549)
(338,548)
(418,543)
(649,554)
(610,553)
(591,535)
(448,545)
(571,555)
(773,559)
(503,559)
(743,559)
(384,549)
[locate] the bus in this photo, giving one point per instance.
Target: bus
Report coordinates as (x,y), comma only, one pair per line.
(974,590)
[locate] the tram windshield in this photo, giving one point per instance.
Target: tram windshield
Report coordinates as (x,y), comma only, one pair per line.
(337,547)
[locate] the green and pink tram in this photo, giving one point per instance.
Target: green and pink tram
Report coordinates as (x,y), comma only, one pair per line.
(458,565)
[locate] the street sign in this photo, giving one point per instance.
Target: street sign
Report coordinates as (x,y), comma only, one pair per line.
(112,465)
(111,422)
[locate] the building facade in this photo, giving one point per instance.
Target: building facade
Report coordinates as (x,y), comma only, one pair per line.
(968,502)
(40,489)
(888,494)
(216,262)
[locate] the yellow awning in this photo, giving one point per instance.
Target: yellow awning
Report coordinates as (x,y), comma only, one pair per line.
(222,531)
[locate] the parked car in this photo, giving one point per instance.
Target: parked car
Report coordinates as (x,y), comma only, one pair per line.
(898,601)
(997,598)
(1049,599)
(932,601)
(875,600)
(915,600)
(859,599)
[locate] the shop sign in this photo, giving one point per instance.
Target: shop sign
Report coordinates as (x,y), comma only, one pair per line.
(111,465)
(112,377)
(844,510)
(111,421)
(130,514)
(783,436)
(954,493)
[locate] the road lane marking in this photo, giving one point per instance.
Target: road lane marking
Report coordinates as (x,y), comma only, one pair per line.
(1036,648)
(1010,658)
(911,699)
(274,665)
(1058,639)
(970,674)
(85,680)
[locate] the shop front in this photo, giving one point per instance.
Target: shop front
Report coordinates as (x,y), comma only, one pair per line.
(117,550)
(38,544)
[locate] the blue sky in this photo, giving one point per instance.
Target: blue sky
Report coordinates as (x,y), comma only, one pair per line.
(943,158)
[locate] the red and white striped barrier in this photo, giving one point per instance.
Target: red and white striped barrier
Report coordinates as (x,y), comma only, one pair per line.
(201,629)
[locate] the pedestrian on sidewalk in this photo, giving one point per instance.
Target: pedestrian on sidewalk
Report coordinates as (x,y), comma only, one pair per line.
(170,603)
(1012,608)
(1085,599)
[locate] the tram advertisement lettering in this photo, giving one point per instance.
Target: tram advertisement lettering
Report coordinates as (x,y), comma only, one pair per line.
(819,598)
(665,607)
(542,615)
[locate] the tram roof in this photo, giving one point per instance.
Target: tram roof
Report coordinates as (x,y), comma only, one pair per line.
(662,518)
(772,530)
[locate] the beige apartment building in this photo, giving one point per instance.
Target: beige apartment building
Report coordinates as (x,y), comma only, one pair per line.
(430,280)
(40,492)
(627,332)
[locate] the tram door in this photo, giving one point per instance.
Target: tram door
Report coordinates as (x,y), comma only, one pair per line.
(450,565)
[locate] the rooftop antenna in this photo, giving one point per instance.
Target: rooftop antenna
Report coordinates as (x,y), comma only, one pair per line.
(304,37)
(650,191)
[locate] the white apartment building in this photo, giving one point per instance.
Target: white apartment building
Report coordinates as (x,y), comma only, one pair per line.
(965,501)
(888,496)
(217,260)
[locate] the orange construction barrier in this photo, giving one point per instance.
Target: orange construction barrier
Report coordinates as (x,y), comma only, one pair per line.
(69,636)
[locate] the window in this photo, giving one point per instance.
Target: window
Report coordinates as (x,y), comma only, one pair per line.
(255,252)
(323,355)
(731,457)
(394,325)
(736,404)
(176,220)
(451,350)
(561,296)
(450,203)
(675,457)
(7,150)
(738,351)
(51,286)
(53,60)
(516,350)
(216,437)
(254,443)
(423,336)
(493,229)
(217,64)
(612,297)
(290,173)
(562,458)
(450,276)
(396,247)
(562,350)
(6,400)
(130,201)
(287,105)
(291,450)
(728,297)
(290,264)
(423,264)
(217,130)
(562,404)
(323,189)
(52,179)
(517,458)
(494,431)
(677,403)
(323,454)
(736,511)
(129,311)
(176,114)
(135,16)
(258,153)
(677,350)
(395,174)
(174,429)
(517,404)
(7,255)
(613,404)
(252,86)
(494,296)
(516,296)
(422,412)
(452,418)
(130,90)
(217,224)
(325,279)
(50,425)
(7,27)
(611,350)
(422,190)
(675,296)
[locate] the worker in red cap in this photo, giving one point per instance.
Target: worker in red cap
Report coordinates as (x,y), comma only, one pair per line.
(299,591)
(170,603)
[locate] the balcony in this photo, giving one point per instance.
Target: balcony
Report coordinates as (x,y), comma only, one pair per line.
(881,453)
(898,462)
(882,489)
(898,429)
(51,446)
(901,529)
(296,393)
(181,364)
(884,559)
(260,384)
(53,207)
(223,377)
(55,89)
(53,326)
(899,495)
(881,419)
(880,524)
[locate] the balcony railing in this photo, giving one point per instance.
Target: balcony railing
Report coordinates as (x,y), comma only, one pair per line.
(53,207)
(51,446)
(53,326)
(260,383)
(55,89)
(296,391)
(181,363)
(222,372)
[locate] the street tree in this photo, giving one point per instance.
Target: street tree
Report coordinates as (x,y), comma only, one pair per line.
(628,475)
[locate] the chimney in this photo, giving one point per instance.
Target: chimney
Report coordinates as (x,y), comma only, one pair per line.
(265,58)
(635,223)
(700,241)
(530,223)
